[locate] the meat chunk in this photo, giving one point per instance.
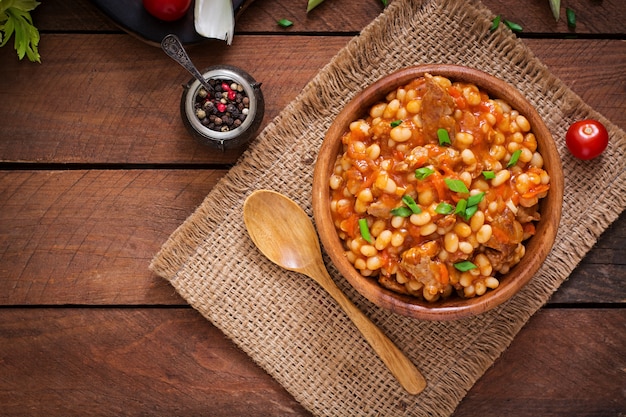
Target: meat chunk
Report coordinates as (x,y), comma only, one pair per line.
(505,240)
(528,214)
(437,108)
(379,209)
(418,263)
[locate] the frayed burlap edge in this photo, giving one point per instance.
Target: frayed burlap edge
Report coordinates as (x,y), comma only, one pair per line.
(326,377)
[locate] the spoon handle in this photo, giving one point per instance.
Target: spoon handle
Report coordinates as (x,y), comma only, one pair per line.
(175,50)
(400,366)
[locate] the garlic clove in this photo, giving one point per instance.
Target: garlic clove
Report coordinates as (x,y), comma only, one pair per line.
(215,19)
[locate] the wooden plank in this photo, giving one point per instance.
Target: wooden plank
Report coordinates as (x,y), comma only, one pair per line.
(127,97)
(126,115)
(593,69)
(535,16)
(75,237)
(601,273)
(131,362)
(346,16)
(565,362)
(87,237)
(164,361)
(349,16)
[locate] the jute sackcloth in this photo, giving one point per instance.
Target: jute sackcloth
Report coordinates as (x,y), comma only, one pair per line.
(291,327)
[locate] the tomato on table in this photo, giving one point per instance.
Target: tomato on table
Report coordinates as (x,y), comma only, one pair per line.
(167,10)
(587,139)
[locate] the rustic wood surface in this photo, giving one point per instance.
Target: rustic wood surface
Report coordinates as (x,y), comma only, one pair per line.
(96,170)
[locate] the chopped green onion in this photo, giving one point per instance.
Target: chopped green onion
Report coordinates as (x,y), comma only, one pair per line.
(514,158)
(489,175)
(422,173)
(513,26)
(469,212)
(444,208)
(284,23)
(401,211)
(396,123)
(571,17)
(384,2)
(464,266)
(495,23)
(444,137)
(365,230)
(457,186)
(461,206)
(473,200)
(408,200)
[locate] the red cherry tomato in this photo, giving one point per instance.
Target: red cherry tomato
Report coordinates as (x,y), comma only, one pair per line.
(168,10)
(586,139)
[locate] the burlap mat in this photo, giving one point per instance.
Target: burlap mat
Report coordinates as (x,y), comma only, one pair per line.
(285,322)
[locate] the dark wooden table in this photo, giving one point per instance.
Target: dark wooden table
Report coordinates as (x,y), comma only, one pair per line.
(96,170)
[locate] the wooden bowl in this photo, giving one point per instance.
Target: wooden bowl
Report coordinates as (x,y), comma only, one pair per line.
(454,307)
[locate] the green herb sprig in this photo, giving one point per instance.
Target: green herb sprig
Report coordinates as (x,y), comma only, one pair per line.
(15,20)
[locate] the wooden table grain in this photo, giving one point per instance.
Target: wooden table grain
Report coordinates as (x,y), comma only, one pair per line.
(96,171)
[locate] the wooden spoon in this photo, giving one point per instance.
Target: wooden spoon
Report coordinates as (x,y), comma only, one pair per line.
(285,235)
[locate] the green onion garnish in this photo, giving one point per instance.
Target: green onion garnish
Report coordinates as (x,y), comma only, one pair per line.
(473,200)
(422,173)
(571,17)
(461,206)
(467,208)
(365,230)
(396,123)
(514,158)
(489,175)
(284,23)
(513,26)
(495,23)
(401,211)
(469,212)
(444,208)
(464,266)
(408,200)
(444,137)
(457,186)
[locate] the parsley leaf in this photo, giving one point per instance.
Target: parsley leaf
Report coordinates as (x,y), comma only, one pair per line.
(15,20)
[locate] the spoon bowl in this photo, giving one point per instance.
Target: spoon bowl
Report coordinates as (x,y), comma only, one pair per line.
(284,233)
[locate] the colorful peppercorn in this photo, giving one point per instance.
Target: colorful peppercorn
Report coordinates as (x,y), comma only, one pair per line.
(223,107)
